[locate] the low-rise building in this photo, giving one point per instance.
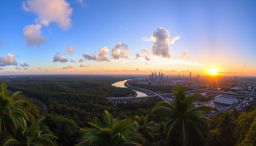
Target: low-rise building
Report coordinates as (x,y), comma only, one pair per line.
(225,100)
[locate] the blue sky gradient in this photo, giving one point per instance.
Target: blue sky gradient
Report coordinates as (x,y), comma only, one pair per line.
(217,33)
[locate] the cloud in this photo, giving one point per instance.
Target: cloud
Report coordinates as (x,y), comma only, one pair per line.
(24,65)
(89,57)
(120,51)
(184,55)
(83,65)
(81,2)
(68,67)
(80,60)
(50,11)
(8,60)
(137,55)
(70,50)
(162,41)
(147,52)
(72,61)
(33,35)
(101,56)
(147,58)
(59,58)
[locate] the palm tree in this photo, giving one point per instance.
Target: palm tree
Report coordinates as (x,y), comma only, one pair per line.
(226,126)
(32,136)
(12,116)
(185,123)
(146,127)
(245,128)
(250,139)
(110,132)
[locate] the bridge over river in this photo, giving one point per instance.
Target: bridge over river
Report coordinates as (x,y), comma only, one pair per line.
(145,94)
(148,94)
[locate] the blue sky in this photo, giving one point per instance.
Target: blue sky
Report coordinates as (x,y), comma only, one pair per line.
(219,33)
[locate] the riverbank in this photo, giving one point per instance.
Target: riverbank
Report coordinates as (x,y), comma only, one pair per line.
(124,84)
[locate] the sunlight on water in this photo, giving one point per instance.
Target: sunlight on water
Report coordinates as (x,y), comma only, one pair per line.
(120,84)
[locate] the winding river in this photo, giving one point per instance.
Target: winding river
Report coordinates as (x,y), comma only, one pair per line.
(121,84)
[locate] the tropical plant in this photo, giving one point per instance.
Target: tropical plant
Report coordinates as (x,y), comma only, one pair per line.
(250,139)
(245,128)
(226,126)
(185,123)
(32,136)
(12,115)
(145,127)
(110,132)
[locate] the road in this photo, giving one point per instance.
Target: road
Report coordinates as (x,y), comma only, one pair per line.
(146,91)
(239,106)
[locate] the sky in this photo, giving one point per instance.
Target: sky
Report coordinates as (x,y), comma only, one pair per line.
(127,36)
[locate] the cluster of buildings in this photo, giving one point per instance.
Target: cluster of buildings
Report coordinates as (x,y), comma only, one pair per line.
(157,77)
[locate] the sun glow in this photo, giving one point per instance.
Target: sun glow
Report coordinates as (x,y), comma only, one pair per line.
(213,71)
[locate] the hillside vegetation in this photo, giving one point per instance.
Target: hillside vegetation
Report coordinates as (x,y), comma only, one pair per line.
(80,115)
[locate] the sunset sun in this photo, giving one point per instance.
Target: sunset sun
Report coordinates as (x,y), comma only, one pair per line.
(213,71)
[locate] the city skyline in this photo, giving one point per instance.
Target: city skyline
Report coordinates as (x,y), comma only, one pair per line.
(127,37)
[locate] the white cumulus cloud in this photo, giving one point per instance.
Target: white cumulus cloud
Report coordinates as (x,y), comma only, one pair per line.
(59,58)
(101,56)
(8,60)
(120,51)
(162,41)
(70,50)
(50,11)
(33,35)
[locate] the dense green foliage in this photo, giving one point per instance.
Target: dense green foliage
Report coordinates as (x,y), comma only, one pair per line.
(80,98)
(110,132)
(185,123)
(74,117)
(18,126)
(31,136)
